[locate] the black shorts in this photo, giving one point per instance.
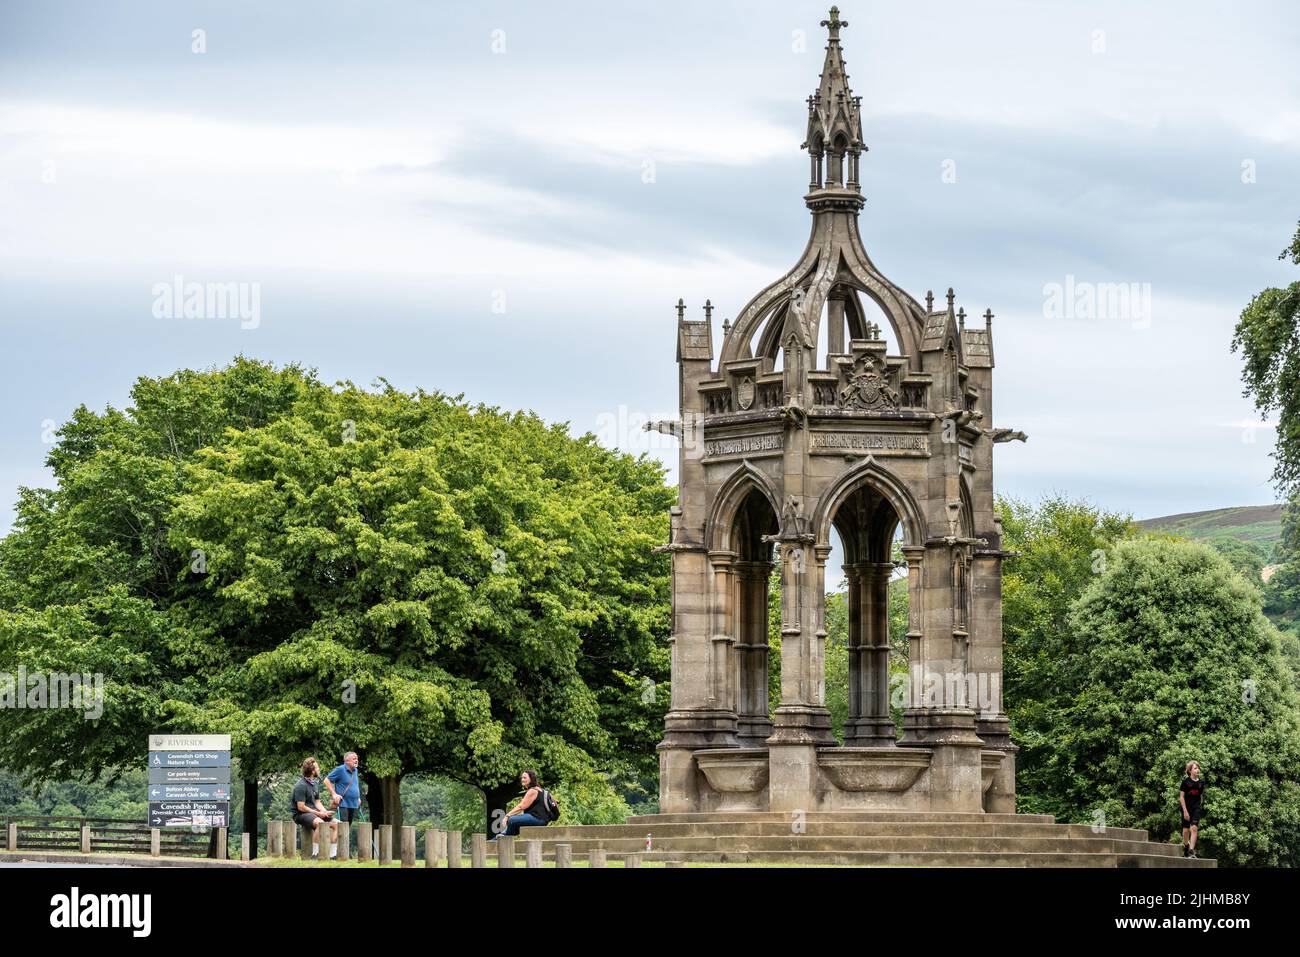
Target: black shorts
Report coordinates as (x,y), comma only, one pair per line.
(1194,815)
(306,819)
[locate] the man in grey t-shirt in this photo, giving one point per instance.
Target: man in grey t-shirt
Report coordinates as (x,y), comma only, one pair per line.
(308,811)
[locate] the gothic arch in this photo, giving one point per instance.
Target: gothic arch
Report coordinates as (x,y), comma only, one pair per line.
(869,472)
(728,500)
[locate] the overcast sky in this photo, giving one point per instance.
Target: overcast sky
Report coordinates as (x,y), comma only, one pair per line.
(507,199)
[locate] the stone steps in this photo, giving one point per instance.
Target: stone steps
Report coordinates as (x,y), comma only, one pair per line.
(740,829)
(930,859)
(804,842)
(781,817)
(869,839)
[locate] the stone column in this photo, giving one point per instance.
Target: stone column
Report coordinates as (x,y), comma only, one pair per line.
(991,722)
(802,722)
(724,663)
(869,723)
(937,716)
(694,720)
(835,328)
(754,726)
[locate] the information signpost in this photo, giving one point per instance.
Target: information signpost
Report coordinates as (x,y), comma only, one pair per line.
(189,780)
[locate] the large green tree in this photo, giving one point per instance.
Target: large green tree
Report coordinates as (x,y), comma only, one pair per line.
(89,581)
(1268,337)
(444,588)
(1176,661)
(1058,547)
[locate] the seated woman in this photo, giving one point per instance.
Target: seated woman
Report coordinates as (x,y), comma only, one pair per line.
(531,810)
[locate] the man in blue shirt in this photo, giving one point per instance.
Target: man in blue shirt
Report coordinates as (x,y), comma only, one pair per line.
(344,784)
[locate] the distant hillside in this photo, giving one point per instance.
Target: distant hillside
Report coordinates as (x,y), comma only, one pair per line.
(1251,523)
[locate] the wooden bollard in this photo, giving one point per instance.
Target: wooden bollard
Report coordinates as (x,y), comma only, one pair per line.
(12,842)
(532,853)
(408,847)
(563,855)
(505,851)
(345,841)
(478,850)
(223,844)
(272,838)
(304,841)
(365,847)
(155,842)
(631,860)
(85,838)
(430,848)
(245,846)
(385,844)
(596,857)
(453,849)
(290,842)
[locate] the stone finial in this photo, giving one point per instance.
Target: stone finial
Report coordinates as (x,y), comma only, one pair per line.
(961,317)
(951,297)
(988,318)
(929,300)
(835,23)
(708,310)
(726,326)
(681,310)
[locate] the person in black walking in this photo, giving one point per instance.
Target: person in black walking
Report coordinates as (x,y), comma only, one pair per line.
(1190,793)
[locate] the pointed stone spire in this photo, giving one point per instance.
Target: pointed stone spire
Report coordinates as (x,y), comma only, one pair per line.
(834,138)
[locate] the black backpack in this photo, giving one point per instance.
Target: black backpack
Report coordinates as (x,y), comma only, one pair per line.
(549,805)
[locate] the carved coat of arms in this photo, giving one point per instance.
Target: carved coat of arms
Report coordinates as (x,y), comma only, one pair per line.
(868,386)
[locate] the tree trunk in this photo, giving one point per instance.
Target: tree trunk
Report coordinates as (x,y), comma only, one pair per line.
(384,799)
(374,802)
(251,793)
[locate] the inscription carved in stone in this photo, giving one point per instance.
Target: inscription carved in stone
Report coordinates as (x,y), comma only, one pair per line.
(881,443)
(741,446)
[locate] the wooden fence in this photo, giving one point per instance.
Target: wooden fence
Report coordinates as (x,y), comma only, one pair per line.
(87,834)
(285,839)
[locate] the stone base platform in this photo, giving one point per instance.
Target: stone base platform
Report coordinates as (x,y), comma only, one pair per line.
(869,839)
